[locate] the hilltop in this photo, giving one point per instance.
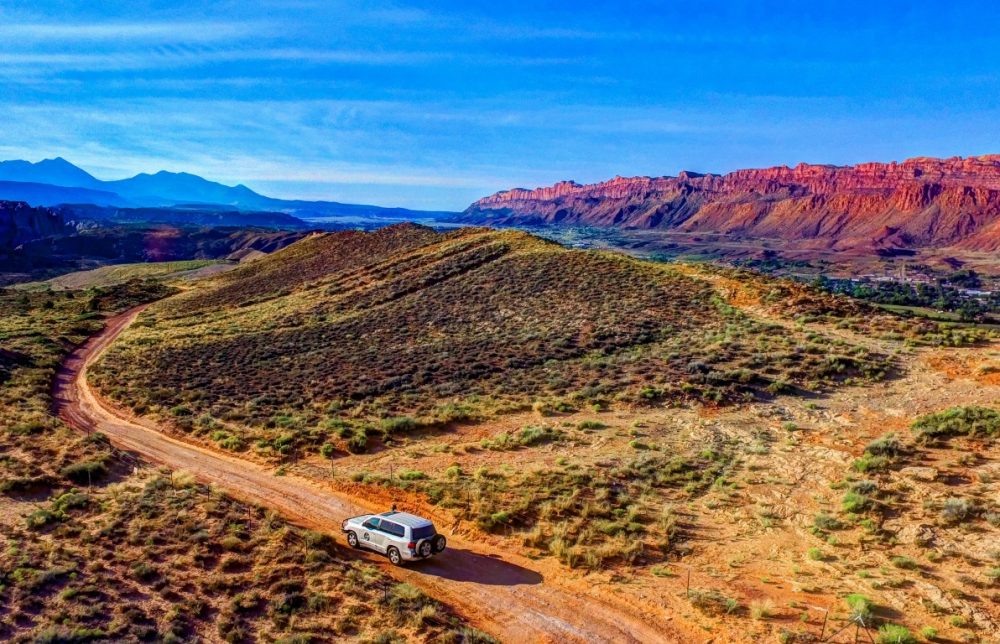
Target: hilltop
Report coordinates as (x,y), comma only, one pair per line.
(919,203)
(353,327)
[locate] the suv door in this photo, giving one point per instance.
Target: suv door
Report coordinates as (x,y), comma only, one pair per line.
(393,535)
(371,536)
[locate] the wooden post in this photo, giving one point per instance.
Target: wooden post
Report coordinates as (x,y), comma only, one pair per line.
(687,591)
(826,616)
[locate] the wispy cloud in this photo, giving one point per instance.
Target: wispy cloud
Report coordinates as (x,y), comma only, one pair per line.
(38,63)
(188,31)
(174,57)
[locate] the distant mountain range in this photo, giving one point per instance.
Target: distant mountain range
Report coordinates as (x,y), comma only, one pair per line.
(919,203)
(57,181)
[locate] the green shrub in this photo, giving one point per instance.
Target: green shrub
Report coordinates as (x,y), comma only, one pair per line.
(500,442)
(956,510)
(232,443)
(855,503)
(29,428)
(357,444)
(887,445)
(906,563)
(40,518)
(713,602)
(895,634)
(70,501)
(870,463)
(143,571)
(64,635)
(824,521)
(864,487)
(968,421)
(859,606)
(412,475)
(85,472)
(537,435)
(398,425)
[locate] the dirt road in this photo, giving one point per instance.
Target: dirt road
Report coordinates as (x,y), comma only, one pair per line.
(504,594)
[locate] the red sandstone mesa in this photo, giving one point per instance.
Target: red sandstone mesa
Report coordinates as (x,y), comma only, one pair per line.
(920,202)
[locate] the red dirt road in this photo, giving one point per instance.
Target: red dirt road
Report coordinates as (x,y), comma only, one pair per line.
(503,594)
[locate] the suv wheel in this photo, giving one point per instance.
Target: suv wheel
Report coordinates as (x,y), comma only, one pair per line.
(439,543)
(352,540)
(395,557)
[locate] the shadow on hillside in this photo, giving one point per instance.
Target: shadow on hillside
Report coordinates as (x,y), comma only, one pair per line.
(457,564)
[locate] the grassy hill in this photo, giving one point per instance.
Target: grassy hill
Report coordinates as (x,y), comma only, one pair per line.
(352,335)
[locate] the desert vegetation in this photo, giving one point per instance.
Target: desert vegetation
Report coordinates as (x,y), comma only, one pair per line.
(99,547)
(761,457)
(329,340)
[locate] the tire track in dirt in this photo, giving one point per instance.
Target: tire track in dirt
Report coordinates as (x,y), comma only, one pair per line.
(502,594)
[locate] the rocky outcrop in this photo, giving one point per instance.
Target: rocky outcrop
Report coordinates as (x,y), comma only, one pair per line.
(20,223)
(920,202)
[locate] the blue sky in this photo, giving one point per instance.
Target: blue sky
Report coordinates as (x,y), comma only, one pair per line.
(434,104)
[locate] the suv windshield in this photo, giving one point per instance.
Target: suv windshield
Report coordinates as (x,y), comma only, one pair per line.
(423,533)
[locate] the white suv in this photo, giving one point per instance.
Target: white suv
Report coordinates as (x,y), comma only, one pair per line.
(398,535)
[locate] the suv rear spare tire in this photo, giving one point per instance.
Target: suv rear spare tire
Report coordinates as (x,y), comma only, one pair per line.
(439,543)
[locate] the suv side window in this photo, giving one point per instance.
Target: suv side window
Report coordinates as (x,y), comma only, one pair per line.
(394,529)
(370,524)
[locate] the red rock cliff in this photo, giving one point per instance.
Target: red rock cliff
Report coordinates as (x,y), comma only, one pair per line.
(920,202)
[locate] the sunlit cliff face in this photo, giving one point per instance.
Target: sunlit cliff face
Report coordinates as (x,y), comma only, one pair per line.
(919,202)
